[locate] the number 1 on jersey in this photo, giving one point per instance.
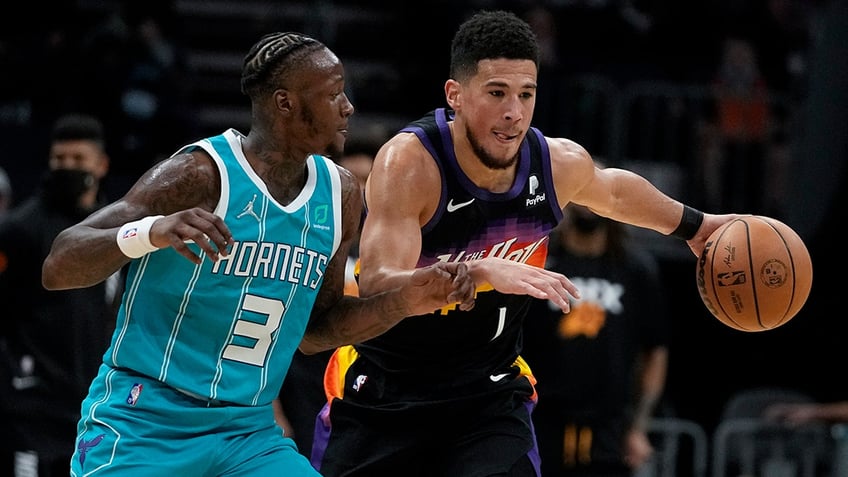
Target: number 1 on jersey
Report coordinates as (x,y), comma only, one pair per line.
(501,322)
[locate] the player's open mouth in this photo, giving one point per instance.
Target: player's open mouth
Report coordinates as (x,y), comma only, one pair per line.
(506,137)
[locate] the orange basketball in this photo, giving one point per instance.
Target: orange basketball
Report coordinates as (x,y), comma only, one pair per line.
(754,274)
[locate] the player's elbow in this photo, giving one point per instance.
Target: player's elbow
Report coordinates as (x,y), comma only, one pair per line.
(311,347)
(55,276)
(49,278)
(317,337)
(370,286)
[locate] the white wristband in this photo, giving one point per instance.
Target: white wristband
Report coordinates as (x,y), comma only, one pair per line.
(134,237)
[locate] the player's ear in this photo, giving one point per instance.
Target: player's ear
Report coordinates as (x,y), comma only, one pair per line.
(283,100)
(452,93)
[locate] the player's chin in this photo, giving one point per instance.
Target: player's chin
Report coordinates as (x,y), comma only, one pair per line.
(335,149)
(499,156)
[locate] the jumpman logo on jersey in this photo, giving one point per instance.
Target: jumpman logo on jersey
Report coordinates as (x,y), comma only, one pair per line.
(248,210)
(84,446)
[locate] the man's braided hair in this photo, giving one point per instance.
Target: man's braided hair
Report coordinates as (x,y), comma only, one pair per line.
(272,58)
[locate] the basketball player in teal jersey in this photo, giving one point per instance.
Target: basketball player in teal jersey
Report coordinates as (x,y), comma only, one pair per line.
(447,394)
(236,247)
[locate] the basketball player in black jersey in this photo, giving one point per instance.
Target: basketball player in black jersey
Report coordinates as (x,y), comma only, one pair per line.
(447,394)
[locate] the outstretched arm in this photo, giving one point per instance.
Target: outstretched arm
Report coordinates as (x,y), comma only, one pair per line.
(352,320)
(627,197)
(338,319)
(403,192)
(183,190)
(507,276)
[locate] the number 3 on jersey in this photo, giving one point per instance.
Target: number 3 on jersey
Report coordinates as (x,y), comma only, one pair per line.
(259,332)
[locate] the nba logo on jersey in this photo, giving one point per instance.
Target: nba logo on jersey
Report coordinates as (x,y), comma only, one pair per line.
(360,381)
(135,392)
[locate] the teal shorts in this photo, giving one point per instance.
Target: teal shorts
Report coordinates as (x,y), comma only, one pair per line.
(133,425)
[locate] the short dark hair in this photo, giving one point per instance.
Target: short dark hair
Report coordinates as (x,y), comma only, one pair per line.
(273,56)
(488,35)
(77,126)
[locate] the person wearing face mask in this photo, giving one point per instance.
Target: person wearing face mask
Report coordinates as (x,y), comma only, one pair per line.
(601,368)
(52,344)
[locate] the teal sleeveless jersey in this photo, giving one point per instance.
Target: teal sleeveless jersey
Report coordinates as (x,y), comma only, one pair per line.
(227,331)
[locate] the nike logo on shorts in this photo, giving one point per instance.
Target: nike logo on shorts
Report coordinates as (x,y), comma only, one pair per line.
(452,207)
(497,377)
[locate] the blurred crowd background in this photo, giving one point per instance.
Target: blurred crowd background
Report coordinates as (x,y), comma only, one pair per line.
(729,105)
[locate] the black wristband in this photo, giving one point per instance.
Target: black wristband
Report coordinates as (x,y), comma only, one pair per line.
(689,223)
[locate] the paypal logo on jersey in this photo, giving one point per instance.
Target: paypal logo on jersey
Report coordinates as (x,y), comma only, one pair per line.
(532,186)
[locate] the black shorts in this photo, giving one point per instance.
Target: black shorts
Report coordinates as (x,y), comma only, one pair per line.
(374,427)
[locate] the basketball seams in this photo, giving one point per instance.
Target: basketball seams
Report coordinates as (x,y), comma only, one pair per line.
(714,279)
(788,249)
(800,263)
(751,270)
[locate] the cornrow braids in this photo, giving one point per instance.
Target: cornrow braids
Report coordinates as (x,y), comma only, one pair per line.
(271,55)
(489,35)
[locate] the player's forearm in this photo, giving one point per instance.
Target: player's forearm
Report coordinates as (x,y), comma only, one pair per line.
(354,320)
(375,282)
(640,203)
(81,257)
(481,270)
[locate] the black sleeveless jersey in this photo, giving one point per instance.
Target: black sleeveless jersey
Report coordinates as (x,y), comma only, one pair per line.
(452,347)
